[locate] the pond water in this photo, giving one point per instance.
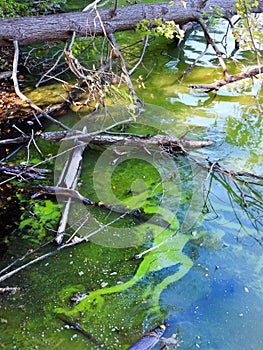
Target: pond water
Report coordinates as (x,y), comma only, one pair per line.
(206,283)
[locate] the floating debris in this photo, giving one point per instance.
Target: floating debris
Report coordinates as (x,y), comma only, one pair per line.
(149,339)
(9,290)
(76,298)
(172,341)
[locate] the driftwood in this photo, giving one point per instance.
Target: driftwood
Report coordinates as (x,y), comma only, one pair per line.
(100,140)
(228,80)
(27,30)
(154,140)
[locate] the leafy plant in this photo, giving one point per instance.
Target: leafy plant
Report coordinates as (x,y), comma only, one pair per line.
(28,7)
(249,29)
(158,28)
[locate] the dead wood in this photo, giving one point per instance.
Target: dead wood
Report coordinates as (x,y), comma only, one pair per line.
(228,80)
(69,178)
(23,97)
(115,47)
(79,329)
(74,194)
(27,172)
(101,140)
(155,140)
(27,30)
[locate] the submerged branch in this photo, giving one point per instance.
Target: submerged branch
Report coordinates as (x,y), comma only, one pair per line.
(64,246)
(39,258)
(79,329)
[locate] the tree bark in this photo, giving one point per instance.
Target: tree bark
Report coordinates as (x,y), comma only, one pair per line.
(28,30)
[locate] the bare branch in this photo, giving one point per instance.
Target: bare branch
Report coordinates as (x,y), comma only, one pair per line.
(139,256)
(191,67)
(23,97)
(69,177)
(52,68)
(228,80)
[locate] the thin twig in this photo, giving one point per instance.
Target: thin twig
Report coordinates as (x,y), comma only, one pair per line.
(107,225)
(29,252)
(79,228)
(52,68)
(67,245)
(191,67)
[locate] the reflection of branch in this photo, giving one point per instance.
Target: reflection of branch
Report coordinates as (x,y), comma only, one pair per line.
(23,97)
(142,55)
(217,51)
(191,67)
(228,80)
(251,211)
(235,177)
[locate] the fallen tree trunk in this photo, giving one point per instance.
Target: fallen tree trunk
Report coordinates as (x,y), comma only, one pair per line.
(27,30)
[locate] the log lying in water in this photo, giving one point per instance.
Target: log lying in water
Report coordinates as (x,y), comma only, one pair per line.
(128,140)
